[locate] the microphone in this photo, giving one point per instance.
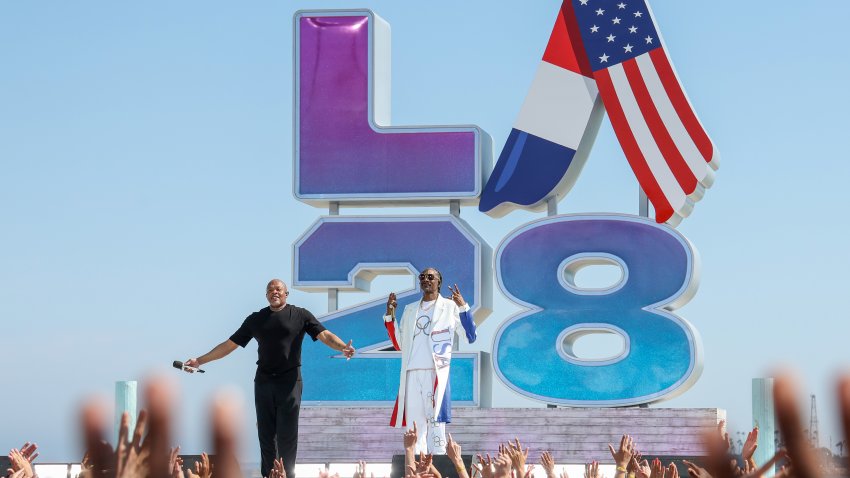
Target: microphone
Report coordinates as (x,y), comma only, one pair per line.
(179,365)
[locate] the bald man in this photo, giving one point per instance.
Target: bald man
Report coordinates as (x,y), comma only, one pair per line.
(279,330)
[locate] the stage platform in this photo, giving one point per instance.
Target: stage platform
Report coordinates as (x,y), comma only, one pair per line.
(572,435)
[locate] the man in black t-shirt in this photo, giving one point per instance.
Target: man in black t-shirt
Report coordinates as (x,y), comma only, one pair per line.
(279,330)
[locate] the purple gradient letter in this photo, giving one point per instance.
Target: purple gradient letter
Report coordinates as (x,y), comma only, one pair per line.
(344,148)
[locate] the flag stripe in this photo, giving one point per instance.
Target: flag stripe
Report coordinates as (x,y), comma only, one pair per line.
(663,210)
(681,103)
(670,153)
(565,48)
(558,105)
(642,136)
(530,164)
(576,43)
(673,122)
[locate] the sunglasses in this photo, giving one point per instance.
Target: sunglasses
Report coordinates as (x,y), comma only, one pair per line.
(428,276)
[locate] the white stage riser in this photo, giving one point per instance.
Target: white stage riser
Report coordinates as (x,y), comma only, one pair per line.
(572,435)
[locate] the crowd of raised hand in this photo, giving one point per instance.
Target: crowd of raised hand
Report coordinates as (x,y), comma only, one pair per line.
(147,452)
(511,461)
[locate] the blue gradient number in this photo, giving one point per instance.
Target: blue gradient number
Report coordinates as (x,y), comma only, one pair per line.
(661,356)
(345,253)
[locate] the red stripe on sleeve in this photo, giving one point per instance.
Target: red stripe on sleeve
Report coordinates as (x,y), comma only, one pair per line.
(672,155)
(391,332)
(394,416)
(663,210)
(681,103)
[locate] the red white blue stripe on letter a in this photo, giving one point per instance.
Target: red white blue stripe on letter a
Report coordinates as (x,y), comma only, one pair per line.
(554,130)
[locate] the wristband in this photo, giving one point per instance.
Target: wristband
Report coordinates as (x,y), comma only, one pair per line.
(621,468)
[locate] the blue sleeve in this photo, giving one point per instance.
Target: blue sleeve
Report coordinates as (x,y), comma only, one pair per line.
(468,326)
(445,415)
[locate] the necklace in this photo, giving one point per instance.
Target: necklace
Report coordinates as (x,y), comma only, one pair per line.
(426,309)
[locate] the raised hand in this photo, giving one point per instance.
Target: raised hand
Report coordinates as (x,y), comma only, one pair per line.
(424,463)
(657,469)
(360,470)
(784,472)
(204,467)
(638,455)
(277,469)
(502,467)
(591,470)
(129,455)
(453,450)
(348,350)
(175,463)
(719,463)
(755,473)
(456,296)
(486,466)
(517,455)
(672,470)
(226,417)
(410,437)
(723,436)
(634,468)
(624,454)
(803,458)
(548,464)
(20,463)
(99,459)
(736,470)
(750,444)
(643,469)
(29,451)
(153,457)
(147,453)
(391,304)
(454,454)
(427,474)
(137,465)
(695,471)
(326,473)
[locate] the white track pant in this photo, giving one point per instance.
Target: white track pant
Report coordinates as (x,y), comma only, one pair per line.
(419,408)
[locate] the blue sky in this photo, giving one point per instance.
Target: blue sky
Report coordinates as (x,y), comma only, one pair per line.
(145,192)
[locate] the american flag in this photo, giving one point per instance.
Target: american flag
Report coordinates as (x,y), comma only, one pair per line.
(668,149)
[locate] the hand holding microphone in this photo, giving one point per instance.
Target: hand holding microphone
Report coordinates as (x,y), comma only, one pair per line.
(190,366)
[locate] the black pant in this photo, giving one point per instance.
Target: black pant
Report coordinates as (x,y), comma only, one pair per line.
(277,405)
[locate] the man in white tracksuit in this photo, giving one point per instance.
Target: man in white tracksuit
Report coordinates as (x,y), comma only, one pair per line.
(424,335)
